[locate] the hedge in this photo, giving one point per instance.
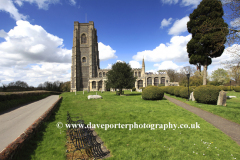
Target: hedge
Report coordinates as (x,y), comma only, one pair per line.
(152,93)
(207,94)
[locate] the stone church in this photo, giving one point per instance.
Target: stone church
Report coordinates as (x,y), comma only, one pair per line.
(85,70)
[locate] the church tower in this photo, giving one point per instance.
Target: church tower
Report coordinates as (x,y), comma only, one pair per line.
(85,55)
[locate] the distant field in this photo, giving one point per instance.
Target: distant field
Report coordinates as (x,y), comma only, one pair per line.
(206,142)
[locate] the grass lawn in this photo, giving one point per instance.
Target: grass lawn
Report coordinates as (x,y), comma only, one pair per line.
(230,112)
(206,142)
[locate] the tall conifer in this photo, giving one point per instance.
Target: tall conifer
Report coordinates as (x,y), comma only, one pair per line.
(209,33)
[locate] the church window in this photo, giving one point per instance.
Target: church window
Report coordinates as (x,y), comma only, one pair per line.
(84,59)
(94,85)
(140,84)
(83,38)
(156,81)
(104,74)
(100,74)
(135,74)
(139,74)
(149,81)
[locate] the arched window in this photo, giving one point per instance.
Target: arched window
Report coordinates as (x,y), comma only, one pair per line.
(100,74)
(156,81)
(139,74)
(94,85)
(83,39)
(104,74)
(84,59)
(135,74)
(149,81)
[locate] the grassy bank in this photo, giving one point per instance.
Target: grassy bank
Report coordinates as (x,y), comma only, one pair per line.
(206,142)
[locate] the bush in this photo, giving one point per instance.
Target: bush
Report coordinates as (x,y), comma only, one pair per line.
(225,88)
(207,94)
(152,93)
(184,92)
(230,88)
(133,89)
(177,91)
(160,85)
(193,87)
(171,89)
(163,88)
(237,89)
(142,88)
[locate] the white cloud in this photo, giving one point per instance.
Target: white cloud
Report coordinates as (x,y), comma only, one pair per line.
(175,50)
(8,6)
(135,64)
(73,2)
(165,22)
(235,22)
(167,65)
(169,1)
(120,61)
(179,26)
(42,4)
(109,66)
(106,52)
(193,3)
(32,54)
(3,33)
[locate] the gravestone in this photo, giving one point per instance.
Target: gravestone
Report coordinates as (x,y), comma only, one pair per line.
(83,91)
(192,97)
(229,97)
(101,91)
(222,98)
(96,93)
(94,97)
(131,90)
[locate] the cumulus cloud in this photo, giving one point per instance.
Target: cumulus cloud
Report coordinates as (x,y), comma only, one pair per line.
(106,52)
(29,51)
(3,33)
(169,1)
(175,50)
(193,3)
(167,65)
(179,26)
(165,22)
(135,64)
(8,6)
(109,66)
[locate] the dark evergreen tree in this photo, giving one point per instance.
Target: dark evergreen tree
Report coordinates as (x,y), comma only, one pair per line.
(120,76)
(209,33)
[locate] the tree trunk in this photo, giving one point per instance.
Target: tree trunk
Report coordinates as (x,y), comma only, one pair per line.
(205,74)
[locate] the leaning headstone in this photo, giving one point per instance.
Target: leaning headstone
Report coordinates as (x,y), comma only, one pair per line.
(222,98)
(94,97)
(192,97)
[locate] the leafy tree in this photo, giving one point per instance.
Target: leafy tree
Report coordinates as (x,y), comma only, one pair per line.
(120,76)
(65,87)
(220,76)
(234,73)
(209,33)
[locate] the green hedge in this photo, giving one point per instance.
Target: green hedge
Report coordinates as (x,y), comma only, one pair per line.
(207,94)
(133,89)
(171,89)
(184,92)
(177,91)
(237,89)
(152,93)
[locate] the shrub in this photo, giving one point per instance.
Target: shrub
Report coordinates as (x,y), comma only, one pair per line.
(207,94)
(225,88)
(177,91)
(163,88)
(237,89)
(152,93)
(160,85)
(133,89)
(171,89)
(166,89)
(142,88)
(230,88)
(193,87)
(184,92)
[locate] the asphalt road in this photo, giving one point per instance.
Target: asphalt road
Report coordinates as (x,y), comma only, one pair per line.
(15,122)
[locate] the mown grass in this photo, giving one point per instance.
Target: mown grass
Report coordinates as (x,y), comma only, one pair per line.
(230,112)
(206,142)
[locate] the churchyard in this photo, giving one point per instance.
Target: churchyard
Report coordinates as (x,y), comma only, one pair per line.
(206,142)
(230,112)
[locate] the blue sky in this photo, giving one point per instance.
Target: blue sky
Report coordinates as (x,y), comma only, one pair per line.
(36,35)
